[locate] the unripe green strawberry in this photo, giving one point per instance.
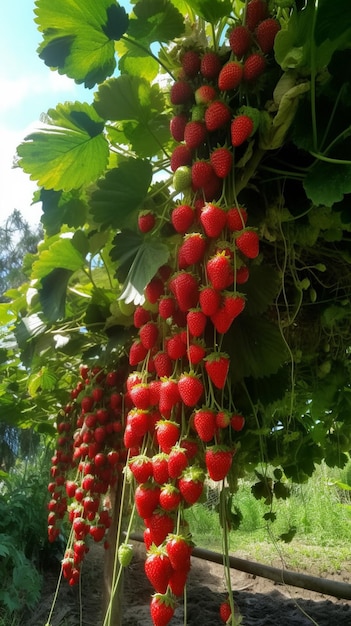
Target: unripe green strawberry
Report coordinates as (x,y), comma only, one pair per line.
(191,63)
(198,113)
(230,76)
(205,94)
(180,157)
(210,65)
(181,92)
(265,34)
(125,554)
(241,129)
(217,115)
(254,66)
(182,178)
(240,40)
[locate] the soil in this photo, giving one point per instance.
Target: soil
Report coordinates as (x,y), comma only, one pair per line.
(260,601)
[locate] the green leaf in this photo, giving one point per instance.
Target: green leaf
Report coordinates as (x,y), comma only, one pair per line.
(211,10)
(333,20)
(78,37)
(327,183)
(121,192)
(261,289)
(59,254)
(44,380)
(70,152)
(53,293)
(61,208)
(135,61)
(141,258)
(157,20)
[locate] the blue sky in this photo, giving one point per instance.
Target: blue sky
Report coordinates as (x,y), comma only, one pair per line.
(28,89)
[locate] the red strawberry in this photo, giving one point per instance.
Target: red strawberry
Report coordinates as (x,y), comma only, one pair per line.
(221,160)
(196,322)
(137,352)
(175,347)
(184,287)
(191,63)
(158,568)
(222,319)
(236,218)
(181,92)
(205,94)
(205,423)
(190,388)
(160,524)
(146,498)
(169,394)
(140,395)
(194,134)
(160,467)
(180,157)
(240,40)
(141,468)
(217,368)
(166,307)
(209,300)
(170,497)
(230,76)
(162,609)
(182,218)
(177,126)
(148,335)
(242,275)
(210,65)
(179,551)
(192,250)
(213,219)
(195,353)
(256,11)
(218,270)
(265,34)
(191,484)
(190,446)
(241,129)
(254,66)
(97,532)
(233,304)
(218,461)
(146,221)
(163,365)
(223,419)
(177,581)
(201,173)
(177,461)
(138,421)
(237,422)
(167,435)
(141,316)
(225,611)
(217,115)
(248,243)
(154,289)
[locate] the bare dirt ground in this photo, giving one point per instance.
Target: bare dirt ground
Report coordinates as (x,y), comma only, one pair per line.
(260,601)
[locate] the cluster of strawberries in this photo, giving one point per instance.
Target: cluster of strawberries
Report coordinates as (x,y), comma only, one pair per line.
(90,444)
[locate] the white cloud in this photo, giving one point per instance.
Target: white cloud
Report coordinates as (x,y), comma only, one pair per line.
(15,92)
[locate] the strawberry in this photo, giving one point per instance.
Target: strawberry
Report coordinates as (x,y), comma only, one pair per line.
(242,275)
(169,394)
(137,352)
(181,92)
(209,300)
(195,352)
(233,304)
(240,40)
(158,568)
(162,608)
(154,289)
(230,76)
(167,435)
(163,365)
(179,551)
(177,461)
(213,219)
(196,322)
(191,63)
(221,160)
(205,423)
(177,126)
(166,307)
(205,94)
(184,287)
(218,461)
(223,419)
(241,129)
(140,396)
(181,156)
(256,11)
(248,243)
(218,270)
(210,65)
(146,221)
(217,115)
(217,367)
(190,388)
(177,581)
(236,218)
(175,347)
(141,316)
(194,134)
(191,484)
(192,250)
(182,218)
(190,446)
(254,66)
(170,497)
(225,611)
(201,173)
(125,554)
(160,467)
(138,421)
(237,422)
(160,525)
(265,34)
(182,178)
(141,468)
(146,498)
(148,335)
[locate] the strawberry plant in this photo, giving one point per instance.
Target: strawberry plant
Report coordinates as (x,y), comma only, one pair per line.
(197,249)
